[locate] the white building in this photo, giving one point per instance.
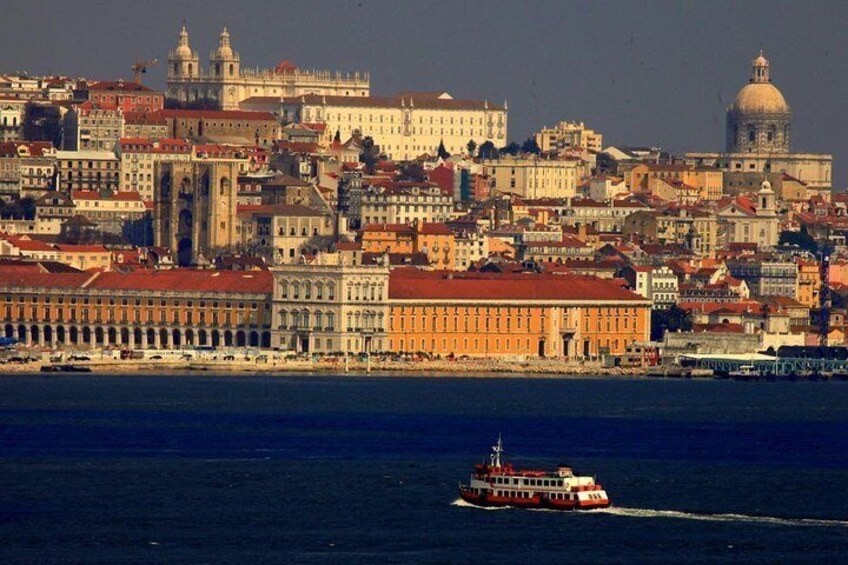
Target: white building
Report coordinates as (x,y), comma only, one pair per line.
(329,306)
(533,177)
(227,83)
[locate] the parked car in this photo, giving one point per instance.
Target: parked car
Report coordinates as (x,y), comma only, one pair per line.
(79,358)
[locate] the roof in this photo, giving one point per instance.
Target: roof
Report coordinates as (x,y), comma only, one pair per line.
(219,115)
(419,285)
(411,100)
(278,210)
(186,280)
(122,86)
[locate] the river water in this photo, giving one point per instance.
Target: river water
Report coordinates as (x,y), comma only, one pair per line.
(203,469)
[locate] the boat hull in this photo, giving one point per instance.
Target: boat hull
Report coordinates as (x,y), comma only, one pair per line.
(490,501)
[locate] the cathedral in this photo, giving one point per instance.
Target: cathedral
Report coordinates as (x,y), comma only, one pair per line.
(757,139)
(226,82)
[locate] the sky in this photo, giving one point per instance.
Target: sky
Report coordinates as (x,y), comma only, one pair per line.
(641,73)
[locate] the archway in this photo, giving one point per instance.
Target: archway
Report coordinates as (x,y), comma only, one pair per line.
(48,334)
(35,333)
(112,334)
(98,336)
(240,338)
(125,336)
(189,337)
(163,338)
(254,339)
(22,333)
(266,340)
(138,337)
(228,338)
(216,338)
(184,252)
(202,337)
(60,334)
(86,335)
(9,330)
(74,334)
(151,338)
(177,339)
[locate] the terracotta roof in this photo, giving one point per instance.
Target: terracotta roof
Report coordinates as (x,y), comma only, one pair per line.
(187,280)
(219,115)
(123,86)
(278,210)
(419,285)
(391,102)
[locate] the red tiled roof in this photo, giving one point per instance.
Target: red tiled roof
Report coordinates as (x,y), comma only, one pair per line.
(123,86)
(219,115)
(419,285)
(70,248)
(189,280)
(278,210)
(28,279)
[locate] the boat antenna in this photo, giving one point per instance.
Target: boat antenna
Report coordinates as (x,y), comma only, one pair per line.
(497,450)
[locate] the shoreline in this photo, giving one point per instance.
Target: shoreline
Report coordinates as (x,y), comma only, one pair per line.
(423,369)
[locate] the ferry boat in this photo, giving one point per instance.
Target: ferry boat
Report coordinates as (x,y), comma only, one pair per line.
(498,483)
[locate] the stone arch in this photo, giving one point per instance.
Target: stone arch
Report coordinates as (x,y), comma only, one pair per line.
(60,334)
(125,336)
(35,332)
(266,340)
(9,330)
(86,335)
(176,339)
(216,338)
(189,337)
(112,335)
(202,337)
(163,338)
(98,336)
(22,332)
(151,337)
(241,340)
(74,335)
(254,339)
(228,338)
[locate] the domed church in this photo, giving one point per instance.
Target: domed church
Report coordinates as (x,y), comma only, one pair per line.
(759,119)
(757,142)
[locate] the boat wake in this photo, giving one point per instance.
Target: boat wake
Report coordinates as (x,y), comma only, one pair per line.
(679,515)
(704,517)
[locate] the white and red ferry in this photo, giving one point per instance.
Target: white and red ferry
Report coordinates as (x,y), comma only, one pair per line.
(498,483)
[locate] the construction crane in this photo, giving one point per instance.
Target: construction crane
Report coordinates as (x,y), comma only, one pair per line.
(140,67)
(824,292)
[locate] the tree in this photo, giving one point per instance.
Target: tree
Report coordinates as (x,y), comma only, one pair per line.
(802,239)
(673,319)
(441,151)
(487,150)
(471,146)
(338,137)
(369,155)
(530,146)
(512,149)
(414,172)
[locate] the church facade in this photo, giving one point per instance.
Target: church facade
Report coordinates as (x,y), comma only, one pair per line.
(758,136)
(227,83)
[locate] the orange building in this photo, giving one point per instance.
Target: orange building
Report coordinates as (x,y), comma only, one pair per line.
(136,310)
(434,239)
(512,315)
(809,283)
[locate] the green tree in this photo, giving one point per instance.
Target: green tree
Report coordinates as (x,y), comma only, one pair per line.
(512,149)
(441,151)
(471,146)
(487,150)
(338,137)
(800,238)
(673,319)
(530,146)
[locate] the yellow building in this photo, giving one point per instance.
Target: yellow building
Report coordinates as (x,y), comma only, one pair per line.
(533,177)
(649,177)
(569,135)
(512,315)
(435,240)
(404,126)
(809,283)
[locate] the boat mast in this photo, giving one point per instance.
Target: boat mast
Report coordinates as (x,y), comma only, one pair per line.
(497,450)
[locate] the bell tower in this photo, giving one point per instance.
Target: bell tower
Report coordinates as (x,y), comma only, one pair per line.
(183,63)
(225,72)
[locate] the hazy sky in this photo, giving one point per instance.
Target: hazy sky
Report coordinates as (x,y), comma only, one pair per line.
(646,73)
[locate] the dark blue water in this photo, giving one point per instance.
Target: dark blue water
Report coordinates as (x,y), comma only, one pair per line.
(364,470)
